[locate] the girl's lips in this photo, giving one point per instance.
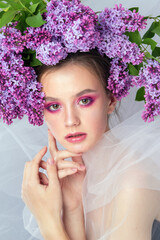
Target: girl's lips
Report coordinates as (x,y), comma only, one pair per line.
(78,137)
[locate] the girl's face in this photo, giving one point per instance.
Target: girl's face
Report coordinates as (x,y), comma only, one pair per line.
(76,104)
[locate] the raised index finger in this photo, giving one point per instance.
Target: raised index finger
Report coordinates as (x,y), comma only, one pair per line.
(35,164)
(52,144)
(39,155)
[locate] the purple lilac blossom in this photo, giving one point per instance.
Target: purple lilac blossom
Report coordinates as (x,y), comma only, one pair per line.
(119,20)
(149,77)
(51,53)
(76,24)
(119,81)
(20,93)
(119,46)
(72,26)
(34,37)
(11,39)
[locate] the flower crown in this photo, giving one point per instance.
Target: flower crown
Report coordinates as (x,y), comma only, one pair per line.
(68,27)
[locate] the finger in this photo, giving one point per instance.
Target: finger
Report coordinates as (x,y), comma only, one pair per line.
(26,173)
(52,144)
(64,154)
(43,164)
(78,159)
(61,164)
(52,173)
(66,172)
(43,178)
(35,164)
(40,155)
(26,177)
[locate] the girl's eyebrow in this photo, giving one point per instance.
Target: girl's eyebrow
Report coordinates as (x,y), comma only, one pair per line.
(47,99)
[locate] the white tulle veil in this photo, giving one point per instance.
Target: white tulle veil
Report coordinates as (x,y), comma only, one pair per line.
(129,162)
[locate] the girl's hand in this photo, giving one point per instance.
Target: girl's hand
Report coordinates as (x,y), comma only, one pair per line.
(42,195)
(70,173)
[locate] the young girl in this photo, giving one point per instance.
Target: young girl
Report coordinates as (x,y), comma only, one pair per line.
(108,190)
(104,183)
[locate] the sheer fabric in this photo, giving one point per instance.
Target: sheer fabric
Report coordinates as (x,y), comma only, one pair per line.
(127,156)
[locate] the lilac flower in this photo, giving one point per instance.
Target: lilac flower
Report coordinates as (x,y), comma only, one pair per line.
(34,37)
(51,53)
(18,83)
(120,20)
(73,25)
(149,77)
(81,35)
(11,39)
(119,81)
(119,46)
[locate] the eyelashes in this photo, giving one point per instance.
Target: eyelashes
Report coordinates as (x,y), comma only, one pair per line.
(86,101)
(83,102)
(53,107)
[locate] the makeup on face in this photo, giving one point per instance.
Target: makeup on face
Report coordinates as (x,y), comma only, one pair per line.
(76,137)
(83,101)
(76,107)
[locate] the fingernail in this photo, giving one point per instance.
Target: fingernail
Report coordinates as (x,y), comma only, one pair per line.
(51,161)
(49,131)
(74,169)
(82,166)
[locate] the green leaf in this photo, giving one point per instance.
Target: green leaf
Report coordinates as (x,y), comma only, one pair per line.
(134,37)
(36,1)
(157,29)
(132,70)
(1,13)
(35,21)
(15,4)
(35,62)
(42,7)
(139,66)
(156,52)
(7,17)
(22,25)
(33,7)
(149,33)
(28,51)
(134,8)
(140,94)
(150,42)
(3,5)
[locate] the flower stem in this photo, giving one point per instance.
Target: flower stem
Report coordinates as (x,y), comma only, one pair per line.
(155,18)
(145,50)
(25,7)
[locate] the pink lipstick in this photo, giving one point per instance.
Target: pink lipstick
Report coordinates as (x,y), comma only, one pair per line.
(76,137)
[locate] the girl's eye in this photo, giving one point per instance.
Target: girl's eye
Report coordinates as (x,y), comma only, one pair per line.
(53,107)
(85,101)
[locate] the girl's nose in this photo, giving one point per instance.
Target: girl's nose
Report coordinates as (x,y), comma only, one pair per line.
(71,118)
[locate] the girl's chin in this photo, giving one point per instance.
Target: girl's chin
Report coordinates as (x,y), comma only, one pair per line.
(79,148)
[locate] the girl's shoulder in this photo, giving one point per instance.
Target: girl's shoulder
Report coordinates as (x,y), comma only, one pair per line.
(140,208)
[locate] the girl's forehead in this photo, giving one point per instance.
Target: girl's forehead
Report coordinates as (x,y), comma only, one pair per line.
(70,75)
(71,83)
